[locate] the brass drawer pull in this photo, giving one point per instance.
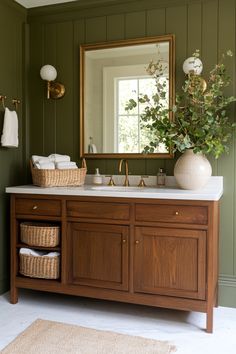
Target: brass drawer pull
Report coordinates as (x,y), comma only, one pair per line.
(176,213)
(35,207)
(137,242)
(124,241)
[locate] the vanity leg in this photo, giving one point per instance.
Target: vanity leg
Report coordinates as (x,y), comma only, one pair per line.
(14,295)
(209,320)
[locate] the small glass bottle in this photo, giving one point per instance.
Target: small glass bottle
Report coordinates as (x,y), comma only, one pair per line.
(161,177)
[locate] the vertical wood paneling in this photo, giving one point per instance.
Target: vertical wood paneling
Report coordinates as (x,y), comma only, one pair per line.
(176,22)
(135,24)
(64,62)
(115,27)
(210,45)
(95,29)
(156,22)
(194,32)
(49,119)
(226,164)
(37,91)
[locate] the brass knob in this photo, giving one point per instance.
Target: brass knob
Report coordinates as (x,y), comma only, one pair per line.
(137,242)
(124,241)
(176,213)
(35,207)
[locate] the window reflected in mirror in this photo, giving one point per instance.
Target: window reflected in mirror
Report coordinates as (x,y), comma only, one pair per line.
(111,75)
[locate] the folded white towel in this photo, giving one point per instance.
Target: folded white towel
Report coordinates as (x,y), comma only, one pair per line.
(45,165)
(59,158)
(52,254)
(66,165)
(30,252)
(36,158)
(10,129)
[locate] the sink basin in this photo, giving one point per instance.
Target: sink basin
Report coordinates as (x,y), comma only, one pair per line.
(116,188)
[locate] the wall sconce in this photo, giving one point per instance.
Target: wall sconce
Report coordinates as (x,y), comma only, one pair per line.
(54,89)
(192,67)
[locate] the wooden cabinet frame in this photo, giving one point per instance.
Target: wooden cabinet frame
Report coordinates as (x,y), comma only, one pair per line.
(174,225)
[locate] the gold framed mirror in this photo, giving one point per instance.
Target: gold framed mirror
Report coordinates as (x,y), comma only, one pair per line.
(111,73)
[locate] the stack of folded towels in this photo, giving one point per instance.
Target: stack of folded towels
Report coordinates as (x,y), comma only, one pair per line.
(53,161)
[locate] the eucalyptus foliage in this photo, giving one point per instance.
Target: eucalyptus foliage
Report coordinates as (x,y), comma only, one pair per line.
(199,119)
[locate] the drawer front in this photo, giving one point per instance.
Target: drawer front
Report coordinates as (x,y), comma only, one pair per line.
(98,210)
(171,213)
(38,207)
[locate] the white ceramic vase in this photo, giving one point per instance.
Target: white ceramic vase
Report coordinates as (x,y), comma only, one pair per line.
(192,171)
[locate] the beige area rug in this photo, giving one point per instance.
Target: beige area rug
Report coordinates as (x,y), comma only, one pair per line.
(47,337)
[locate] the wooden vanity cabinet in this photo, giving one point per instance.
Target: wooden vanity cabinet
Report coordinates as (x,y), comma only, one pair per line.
(155,252)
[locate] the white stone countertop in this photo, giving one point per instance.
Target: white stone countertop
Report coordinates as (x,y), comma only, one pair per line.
(212,191)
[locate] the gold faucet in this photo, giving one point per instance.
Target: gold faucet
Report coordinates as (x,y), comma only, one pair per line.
(126,182)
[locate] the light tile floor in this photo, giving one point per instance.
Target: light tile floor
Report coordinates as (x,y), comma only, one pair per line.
(184,329)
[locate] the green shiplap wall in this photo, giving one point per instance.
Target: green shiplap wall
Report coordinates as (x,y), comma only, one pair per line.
(12,18)
(55,35)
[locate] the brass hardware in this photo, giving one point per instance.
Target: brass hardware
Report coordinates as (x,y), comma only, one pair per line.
(124,241)
(126,182)
(2,99)
(137,242)
(55,90)
(176,213)
(196,81)
(16,102)
(111,181)
(142,182)
(35,207)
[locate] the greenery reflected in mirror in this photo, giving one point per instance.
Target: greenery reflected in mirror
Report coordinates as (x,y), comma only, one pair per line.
(111,75)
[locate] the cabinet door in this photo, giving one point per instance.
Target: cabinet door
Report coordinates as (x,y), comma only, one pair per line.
(170,262)
(98,255)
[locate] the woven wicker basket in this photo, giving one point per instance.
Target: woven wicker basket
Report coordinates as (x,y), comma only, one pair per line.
(39,234)
(39,266)
(58,178)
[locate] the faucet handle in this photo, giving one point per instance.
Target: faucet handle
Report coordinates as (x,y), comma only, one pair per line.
(111,181)
(142,182)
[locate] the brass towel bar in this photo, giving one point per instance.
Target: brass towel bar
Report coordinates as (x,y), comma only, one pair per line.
(15,101)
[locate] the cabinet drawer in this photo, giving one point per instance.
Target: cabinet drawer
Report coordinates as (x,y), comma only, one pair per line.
(98,210)
(171,213)
(38,207)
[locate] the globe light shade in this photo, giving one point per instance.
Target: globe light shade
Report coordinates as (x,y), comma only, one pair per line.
(48,73)
(192,65)
(54,89)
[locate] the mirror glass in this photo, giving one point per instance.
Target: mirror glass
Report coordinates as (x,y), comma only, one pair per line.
(111,75)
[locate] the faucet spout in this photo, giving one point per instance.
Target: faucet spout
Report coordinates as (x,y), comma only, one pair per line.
(126,182)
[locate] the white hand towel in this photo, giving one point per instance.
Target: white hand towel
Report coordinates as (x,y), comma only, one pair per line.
(59,158)
(31,252)
(10,129)
(66,165)
(45,165)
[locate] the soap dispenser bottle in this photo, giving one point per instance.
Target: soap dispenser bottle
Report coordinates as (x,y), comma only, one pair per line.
(97,178)
(161,177)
